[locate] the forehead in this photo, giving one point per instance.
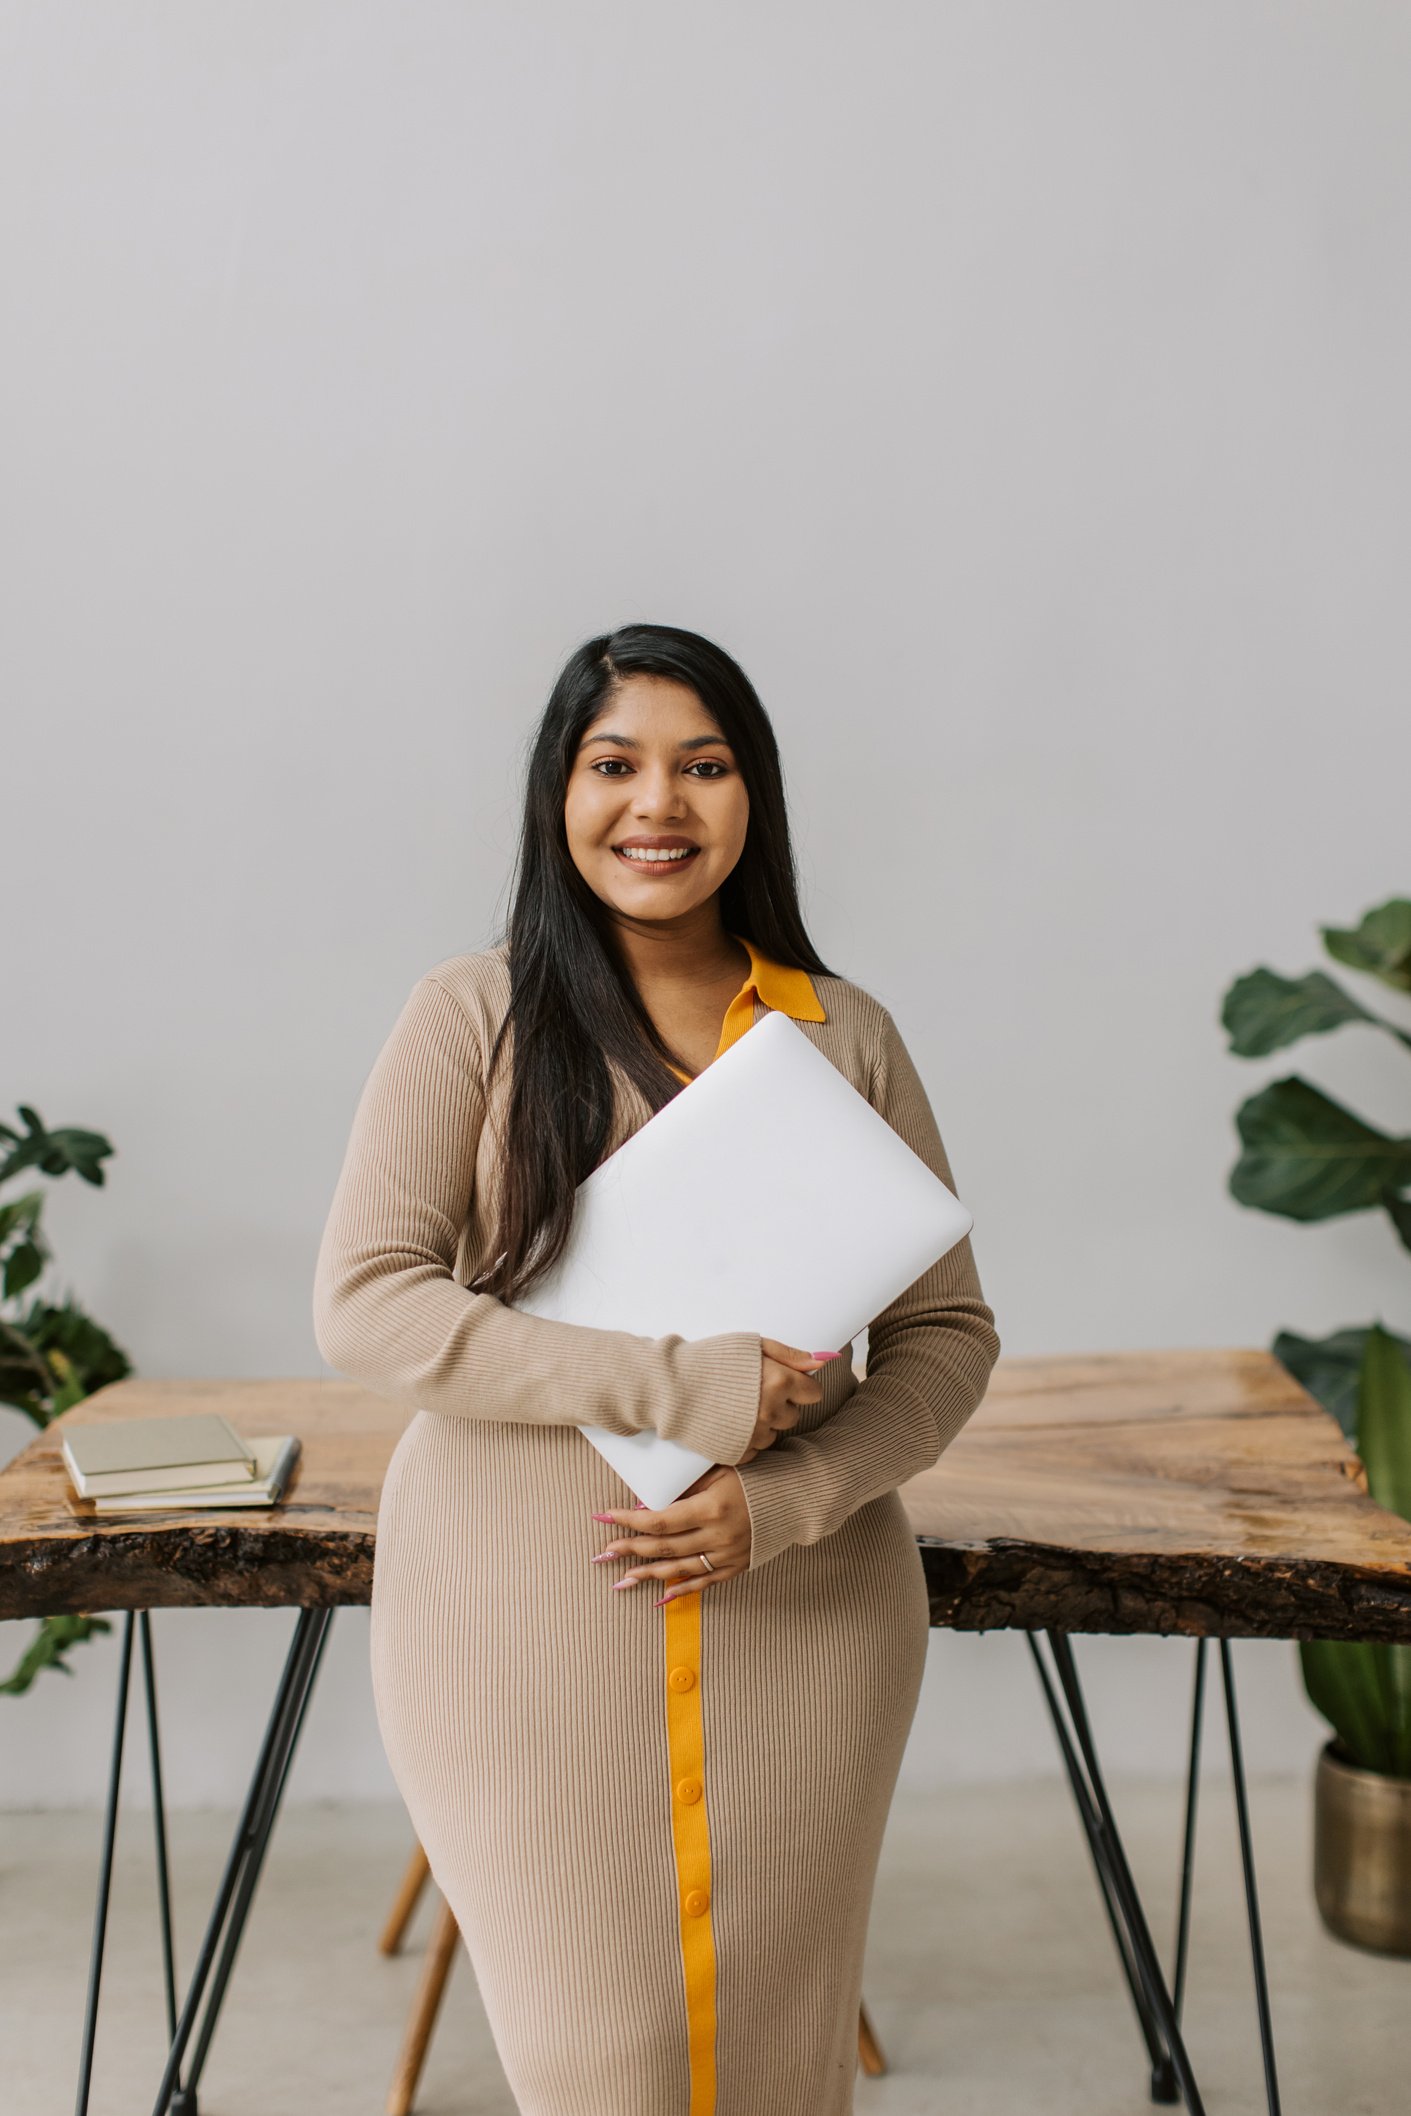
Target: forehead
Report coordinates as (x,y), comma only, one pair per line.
(647,710)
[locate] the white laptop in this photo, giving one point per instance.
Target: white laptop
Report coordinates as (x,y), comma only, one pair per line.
(768,1195)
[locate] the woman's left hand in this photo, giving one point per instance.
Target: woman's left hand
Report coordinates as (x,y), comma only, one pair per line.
(711,1516)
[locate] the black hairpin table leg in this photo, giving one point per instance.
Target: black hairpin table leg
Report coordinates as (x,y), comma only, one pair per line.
(1091,1821)
(1251,1889)
(1158,2011)
(105,1875)
(1171,2065)
(140,1621)
(242,1868)
(159,1820)
(1183,1914)
(261,1827)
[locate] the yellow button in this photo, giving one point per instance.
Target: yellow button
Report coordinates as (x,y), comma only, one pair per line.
(681,1678)
(688,1789)
(697,1903)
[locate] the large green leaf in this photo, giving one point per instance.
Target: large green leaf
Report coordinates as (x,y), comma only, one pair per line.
(1330,1368)
(1399,1213)
(1307,1158)
(1364,1690)
(1384,1422)
(1263,1011)
(1380,945)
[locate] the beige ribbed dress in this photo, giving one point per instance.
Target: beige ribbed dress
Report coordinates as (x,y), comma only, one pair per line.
(658,1828)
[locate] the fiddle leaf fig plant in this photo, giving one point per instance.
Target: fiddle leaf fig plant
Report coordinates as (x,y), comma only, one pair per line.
(1307,1157)
(52,1354)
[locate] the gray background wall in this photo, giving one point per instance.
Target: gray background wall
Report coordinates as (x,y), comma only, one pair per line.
(1019,391)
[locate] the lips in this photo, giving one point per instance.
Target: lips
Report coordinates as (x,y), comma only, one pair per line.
(642,843)
(655,866)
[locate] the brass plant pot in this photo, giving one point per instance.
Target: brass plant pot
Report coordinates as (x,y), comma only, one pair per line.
(1362,1853)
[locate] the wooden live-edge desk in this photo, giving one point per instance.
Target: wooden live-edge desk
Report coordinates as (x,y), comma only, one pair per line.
(1200,1493)
(1194,1492)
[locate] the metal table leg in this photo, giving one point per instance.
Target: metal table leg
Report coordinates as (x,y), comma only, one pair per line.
(1140,1962)
(242,1868)
(1251,1888)
(159,1821)
(262,1826)
(1158,2011)
(1251,1892)
(105,1877)
(242,1871)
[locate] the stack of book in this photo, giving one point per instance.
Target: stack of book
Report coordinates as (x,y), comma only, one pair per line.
(169,1465)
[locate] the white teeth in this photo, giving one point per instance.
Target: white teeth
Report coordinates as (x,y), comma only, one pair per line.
(638,852)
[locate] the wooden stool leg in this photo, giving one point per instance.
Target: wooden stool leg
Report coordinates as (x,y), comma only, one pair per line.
(412,1883)
(439,1956)
(869,2050)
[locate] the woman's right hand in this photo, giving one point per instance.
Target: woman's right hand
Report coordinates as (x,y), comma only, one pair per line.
(788,1381)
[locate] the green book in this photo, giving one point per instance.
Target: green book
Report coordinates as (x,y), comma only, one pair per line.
(155,1454)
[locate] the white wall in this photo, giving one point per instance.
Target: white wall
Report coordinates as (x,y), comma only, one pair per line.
(1019,391)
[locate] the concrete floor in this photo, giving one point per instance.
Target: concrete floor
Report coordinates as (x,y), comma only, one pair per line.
(991,1977)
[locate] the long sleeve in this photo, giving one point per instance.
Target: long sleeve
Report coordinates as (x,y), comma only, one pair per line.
(390,1313)
(929,1356)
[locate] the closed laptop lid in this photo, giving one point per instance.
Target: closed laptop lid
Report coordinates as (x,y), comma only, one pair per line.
(768,1195)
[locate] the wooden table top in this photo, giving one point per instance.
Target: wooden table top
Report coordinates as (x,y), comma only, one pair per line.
(1197,1492)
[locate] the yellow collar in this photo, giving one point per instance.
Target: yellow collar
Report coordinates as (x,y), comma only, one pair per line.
(787,990)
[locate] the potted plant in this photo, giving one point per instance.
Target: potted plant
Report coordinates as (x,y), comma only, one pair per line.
(51,1353)
(1307,1157)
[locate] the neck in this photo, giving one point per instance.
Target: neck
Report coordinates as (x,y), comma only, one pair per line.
(691,951)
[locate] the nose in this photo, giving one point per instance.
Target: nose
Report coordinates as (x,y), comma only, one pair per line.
(657,792)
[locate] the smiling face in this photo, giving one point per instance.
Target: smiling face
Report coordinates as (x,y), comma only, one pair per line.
(656,810)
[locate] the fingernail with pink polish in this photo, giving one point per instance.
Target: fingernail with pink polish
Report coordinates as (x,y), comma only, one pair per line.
(825,1355)
(602,1517)
(622,1583)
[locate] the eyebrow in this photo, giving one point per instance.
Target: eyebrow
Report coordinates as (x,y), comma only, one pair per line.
(694,741)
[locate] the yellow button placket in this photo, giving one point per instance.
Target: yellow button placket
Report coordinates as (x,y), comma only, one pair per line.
(685,1741)
(685,1737)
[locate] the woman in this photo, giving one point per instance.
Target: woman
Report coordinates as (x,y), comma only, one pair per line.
(654,1801)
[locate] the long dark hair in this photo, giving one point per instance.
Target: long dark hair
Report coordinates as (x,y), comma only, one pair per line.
(574,1008)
